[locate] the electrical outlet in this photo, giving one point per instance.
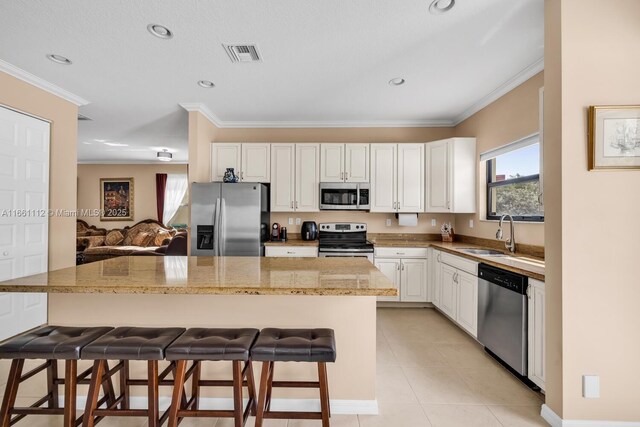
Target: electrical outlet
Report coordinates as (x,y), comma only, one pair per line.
(388,222)
(433,222)
(470,223)
(298,221)
(591,386)
(290,221)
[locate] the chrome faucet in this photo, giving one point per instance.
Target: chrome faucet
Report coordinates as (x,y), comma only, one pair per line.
(511,243)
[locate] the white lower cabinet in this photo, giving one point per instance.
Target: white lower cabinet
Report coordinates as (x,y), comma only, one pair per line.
(408,269)
(291,251)
(436,284)
(456,290)
(536,362)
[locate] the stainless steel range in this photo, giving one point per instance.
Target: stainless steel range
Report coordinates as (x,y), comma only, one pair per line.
(344,239)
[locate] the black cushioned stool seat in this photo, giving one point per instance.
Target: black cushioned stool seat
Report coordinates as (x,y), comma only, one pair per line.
(212,344)
(51,343)
(126,344)
(293,345)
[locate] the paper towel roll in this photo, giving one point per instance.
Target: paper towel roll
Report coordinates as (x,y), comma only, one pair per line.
(408,220)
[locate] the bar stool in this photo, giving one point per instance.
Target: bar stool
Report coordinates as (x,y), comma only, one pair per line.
(210,344)
(126,344)
(51,343)
(293,345)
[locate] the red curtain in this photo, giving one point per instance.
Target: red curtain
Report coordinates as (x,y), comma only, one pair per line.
(161,184)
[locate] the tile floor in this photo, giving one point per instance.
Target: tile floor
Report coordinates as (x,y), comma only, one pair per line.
(430,373)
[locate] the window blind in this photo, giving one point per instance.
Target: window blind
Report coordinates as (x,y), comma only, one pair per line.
(521,143)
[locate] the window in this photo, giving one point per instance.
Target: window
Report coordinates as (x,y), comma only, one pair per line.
(513,181)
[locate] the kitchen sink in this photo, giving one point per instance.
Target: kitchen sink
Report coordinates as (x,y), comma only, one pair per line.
(487,252)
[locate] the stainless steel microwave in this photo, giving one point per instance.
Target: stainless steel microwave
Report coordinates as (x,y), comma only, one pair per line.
(340,196)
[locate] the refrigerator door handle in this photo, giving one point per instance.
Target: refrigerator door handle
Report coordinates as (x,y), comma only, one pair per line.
(216,230)
(221,228)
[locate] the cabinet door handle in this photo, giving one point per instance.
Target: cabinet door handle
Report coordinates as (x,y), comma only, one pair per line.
(403,267)
(448,205)
(398,266)
(296,204)
(290,252)
(438,257)
(292,204)
(399,253)
(241,175)
(346,176)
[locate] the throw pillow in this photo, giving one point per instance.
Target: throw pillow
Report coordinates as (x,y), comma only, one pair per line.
(161,236)
(142,239)
(114,238)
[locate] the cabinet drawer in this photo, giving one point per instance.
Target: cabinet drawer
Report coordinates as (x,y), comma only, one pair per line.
(460,263)
(291,251)
(400,252)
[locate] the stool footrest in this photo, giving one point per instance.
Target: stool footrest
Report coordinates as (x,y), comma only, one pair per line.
(296,384)
(286,415)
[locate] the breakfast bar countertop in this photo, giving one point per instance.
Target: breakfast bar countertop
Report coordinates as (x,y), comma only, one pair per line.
(213,275)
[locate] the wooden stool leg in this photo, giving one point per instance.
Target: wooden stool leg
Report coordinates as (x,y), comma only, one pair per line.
(52,388)
(178,392)
(195,385)
(124,384)
(153,410)
(251,386)
(262,393)
(270,385)
(11,392)
(324,393)
(237,393)
(70,389)
(327,388)
(107,387)
(94,390)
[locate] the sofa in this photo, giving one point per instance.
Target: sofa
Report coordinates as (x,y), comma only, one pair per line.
(97,244)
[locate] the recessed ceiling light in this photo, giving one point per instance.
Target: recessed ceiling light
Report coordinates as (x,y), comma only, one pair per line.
(438,7)
(115,144)
(206,84)
(59,59)
(100,140)
(160,31)
(164,156)
(87,143)
(397,81)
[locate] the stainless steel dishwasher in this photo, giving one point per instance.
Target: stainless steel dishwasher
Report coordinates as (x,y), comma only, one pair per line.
(502,315)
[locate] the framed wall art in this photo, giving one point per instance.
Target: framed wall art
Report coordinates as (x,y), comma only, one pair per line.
(614,137)
(116,199)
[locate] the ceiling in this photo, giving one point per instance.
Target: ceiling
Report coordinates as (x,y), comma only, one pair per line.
(325,63)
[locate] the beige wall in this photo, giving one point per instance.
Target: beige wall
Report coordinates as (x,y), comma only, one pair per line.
(15,93)
(513,116)
(144,189)
(594,253)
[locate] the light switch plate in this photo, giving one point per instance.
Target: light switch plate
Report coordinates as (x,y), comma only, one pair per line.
(470,223)
(591,386)
(290,221)
(433,222)
(388,222)
(298,221)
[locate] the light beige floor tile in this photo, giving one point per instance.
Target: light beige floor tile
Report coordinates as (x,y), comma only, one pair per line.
(460,416)
(440,385)
(496,386)
(392,385)
(519,416)
(465,355)
(251,422)
(396,415)
(335,421)
(384,355)
(417,353)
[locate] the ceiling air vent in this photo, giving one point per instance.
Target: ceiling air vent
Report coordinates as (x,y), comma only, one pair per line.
(242,52)
(83,117)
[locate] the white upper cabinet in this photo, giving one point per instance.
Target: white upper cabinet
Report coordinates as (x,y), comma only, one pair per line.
(250,161)
(223,156)
(344,163)
(397,178)
(282,177)
(384,177)
(410,178)
(307,181)
(256,165)
(451,175)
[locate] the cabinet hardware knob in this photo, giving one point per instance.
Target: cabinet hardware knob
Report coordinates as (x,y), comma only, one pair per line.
(402,267)
(346,176)
(5,253)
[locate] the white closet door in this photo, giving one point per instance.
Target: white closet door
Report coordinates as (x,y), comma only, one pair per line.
(24,219)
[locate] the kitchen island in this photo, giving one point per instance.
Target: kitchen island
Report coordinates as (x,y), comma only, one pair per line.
(337,293)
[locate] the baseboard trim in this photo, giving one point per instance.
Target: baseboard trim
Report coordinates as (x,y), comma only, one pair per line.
(338,407)
(555,421)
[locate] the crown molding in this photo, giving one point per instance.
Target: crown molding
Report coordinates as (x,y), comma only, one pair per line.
(500,91)
(40,83)
(204,110)
(132,162)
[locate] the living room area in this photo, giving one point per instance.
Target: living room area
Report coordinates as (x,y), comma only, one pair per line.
(127,209)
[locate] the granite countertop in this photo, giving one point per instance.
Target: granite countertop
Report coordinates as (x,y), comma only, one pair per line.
(213,275)
(293,242)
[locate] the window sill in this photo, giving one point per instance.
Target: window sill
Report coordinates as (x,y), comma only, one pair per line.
(515,222)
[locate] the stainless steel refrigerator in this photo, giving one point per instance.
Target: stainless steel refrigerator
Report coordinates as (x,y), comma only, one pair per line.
(229,219)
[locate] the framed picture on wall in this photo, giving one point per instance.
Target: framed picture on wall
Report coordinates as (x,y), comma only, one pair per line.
(116,199)
(614,137)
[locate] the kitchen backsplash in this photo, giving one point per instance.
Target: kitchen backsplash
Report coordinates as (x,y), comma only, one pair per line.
(376,222)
